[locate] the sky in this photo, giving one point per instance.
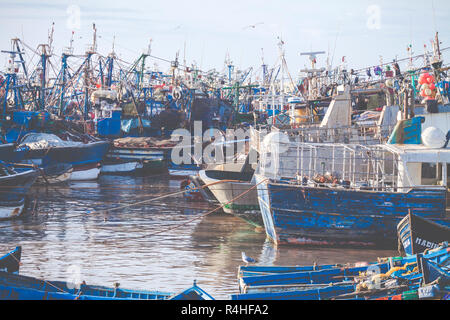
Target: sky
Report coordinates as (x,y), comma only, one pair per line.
(206,31)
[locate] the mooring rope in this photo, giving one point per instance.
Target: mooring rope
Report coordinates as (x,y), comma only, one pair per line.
(198,217)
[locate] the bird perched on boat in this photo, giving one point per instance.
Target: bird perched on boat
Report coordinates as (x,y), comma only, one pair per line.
(246,259)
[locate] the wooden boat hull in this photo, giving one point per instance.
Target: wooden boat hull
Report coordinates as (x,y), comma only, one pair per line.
(151,158)
(418,234)
(18,287)
(10,262)
(86,172)
(9,153)
(120,167)
(304,279)
(312,294)
(85,159)
(55,174)
(11,212)
(228,193)
(14,189)
(300,215)
(310,284)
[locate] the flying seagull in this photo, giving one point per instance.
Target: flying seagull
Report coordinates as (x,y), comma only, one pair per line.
(246,259)
(252,26)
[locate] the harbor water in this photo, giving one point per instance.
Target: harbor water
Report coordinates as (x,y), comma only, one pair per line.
(163,244)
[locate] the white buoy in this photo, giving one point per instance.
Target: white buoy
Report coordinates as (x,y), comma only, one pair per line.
(433,137)
(276,142)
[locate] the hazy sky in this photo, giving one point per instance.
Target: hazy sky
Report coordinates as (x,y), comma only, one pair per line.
(361,30)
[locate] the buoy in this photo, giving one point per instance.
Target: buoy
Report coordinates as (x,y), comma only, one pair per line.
(433,137)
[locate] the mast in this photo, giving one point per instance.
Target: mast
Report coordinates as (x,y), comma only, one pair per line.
(87,71)
(65,55)
(45,54)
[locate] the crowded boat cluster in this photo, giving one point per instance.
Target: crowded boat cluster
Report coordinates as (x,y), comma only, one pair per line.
(339,157)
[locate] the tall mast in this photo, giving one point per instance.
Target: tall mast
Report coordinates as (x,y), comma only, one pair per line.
(87,70)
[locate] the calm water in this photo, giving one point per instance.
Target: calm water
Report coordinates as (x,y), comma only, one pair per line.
(70,235)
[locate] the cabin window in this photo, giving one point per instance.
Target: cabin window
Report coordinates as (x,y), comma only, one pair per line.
(431,174)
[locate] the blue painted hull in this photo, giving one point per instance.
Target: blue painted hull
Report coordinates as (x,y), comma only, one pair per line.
(313,294)
(9,153)
(417,234)
(10,262)
(303,215)
(278,282)
(13,191)
(17,287)
(80,156)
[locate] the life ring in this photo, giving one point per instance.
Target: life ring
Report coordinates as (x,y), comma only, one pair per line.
(177,93)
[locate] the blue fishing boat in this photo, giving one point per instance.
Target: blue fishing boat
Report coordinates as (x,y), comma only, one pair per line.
(347,194)
(295,281)
(14,188)
(311,294)
(417,234)
(18,287)
(49,149)
(390,276)
(428,280)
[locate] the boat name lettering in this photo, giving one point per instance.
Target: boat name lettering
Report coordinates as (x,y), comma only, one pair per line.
(426,243)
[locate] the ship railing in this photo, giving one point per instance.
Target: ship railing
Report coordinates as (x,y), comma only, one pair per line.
(362,186)
(352,163)
(364,134)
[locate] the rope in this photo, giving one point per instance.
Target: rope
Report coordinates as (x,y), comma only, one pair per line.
(45,281)
(199,217)
(163,197)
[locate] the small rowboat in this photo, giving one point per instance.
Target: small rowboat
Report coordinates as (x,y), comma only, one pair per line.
(396,275)
(10,262)
(18,287)
(14,187)
(336,275)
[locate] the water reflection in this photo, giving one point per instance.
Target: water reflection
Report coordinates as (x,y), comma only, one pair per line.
(133,246)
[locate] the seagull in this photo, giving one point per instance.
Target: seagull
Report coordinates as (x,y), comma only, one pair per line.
(252,26)
(246,259)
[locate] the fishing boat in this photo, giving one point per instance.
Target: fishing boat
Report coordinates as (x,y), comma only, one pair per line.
(138,153)
(182,172)
(417,234)
(18,287)
(48,149)
(388,276)
(427,279)
(324,276)
(49,174)
(233,186)
(324,293)
(14,188)
(349,194)
(118,166)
